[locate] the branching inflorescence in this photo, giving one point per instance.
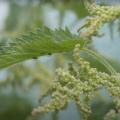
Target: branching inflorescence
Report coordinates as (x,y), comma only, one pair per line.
(79,84)
(99,15)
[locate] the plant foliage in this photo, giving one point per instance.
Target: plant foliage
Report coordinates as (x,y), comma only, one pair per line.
(41,42)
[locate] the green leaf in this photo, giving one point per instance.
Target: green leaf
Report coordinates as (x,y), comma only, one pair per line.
(41,42)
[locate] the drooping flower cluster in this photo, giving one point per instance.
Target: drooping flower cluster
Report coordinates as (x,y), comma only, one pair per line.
(79,83)
(99,15)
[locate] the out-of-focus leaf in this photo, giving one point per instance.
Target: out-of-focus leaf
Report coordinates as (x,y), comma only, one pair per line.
(13,107)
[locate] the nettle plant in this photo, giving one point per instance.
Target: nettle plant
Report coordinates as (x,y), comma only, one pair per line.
(80,82)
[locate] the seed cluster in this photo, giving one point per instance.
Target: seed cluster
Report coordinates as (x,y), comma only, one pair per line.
(79,84)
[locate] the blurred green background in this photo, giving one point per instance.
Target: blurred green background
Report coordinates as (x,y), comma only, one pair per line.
(21,85)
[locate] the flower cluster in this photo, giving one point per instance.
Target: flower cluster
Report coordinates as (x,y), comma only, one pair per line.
(79,83)
(112,115)
(99,16)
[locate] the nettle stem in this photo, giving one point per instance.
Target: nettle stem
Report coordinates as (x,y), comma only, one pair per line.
(102,60)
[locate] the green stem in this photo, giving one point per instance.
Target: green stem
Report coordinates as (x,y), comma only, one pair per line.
(101,60)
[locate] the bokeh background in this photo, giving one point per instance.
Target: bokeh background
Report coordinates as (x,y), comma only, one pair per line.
(21,85)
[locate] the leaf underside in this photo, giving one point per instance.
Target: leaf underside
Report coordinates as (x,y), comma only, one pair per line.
(43,41)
